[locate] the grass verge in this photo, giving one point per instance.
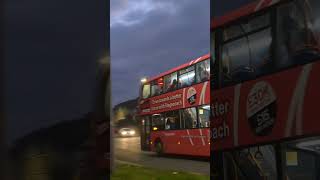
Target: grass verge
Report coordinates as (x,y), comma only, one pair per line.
(131,172)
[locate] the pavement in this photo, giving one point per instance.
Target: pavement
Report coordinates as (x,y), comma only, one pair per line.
(127,150)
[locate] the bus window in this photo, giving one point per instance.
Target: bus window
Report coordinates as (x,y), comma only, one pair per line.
(157,87)
(243,28)
(298,33)
(247,56)
(186,77)
(252,163)
(313,7)
(204,116)
(157,122)
(172,120)
(189,117)
(146,91)
(170,82)
(203,71)
(302,159)
(301,165)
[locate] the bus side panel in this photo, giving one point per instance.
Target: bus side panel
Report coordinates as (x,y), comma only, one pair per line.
(222,102)
(272,108)
(264,106)
(193,142)
(177,99)
(204,147)
(311,110)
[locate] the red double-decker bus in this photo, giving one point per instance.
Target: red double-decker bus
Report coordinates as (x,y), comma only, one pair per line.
(174,110)
(265,120)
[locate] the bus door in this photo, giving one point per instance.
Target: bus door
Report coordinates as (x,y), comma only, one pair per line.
(145,133)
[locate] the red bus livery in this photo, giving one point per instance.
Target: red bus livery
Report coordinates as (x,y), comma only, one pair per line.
(267,80)
(265,90)
(174,110)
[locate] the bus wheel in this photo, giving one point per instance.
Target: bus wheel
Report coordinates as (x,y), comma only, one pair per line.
(159,148)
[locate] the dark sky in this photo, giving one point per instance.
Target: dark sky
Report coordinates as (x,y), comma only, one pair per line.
(151,36)
(52,47)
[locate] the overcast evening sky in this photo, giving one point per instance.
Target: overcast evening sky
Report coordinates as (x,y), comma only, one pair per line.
(152,36)
(52,50)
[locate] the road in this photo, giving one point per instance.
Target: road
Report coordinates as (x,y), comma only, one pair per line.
(128,150)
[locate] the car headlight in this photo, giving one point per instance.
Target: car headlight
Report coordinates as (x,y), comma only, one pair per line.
(124,133)
(132,132)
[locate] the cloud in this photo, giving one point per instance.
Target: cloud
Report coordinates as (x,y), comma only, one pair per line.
(128,13)
(162,39)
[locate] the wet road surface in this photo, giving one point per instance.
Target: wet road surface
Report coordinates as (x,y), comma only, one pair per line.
(128,150)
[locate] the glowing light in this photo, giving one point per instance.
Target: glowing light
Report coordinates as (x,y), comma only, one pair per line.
(187,76)
(124,133)
(143,80)
(207,107)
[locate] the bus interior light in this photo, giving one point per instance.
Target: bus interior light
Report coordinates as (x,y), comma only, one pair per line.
(188,76)
(207,107)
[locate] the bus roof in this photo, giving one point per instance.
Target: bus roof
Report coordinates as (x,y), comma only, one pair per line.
(242,11)
(194,61)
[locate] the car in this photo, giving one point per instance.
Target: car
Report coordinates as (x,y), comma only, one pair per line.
(127,132)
